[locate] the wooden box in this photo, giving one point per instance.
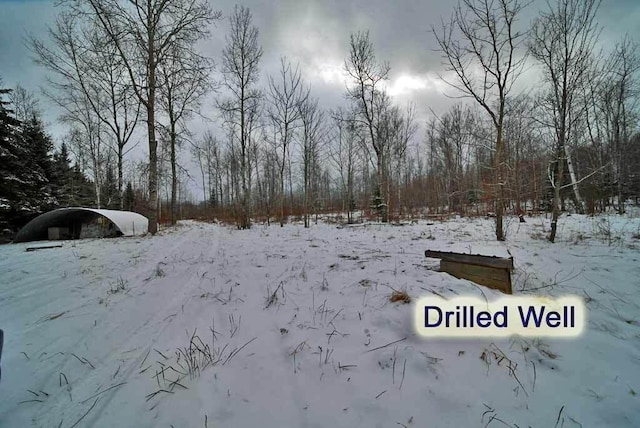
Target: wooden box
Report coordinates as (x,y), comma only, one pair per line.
(493,272)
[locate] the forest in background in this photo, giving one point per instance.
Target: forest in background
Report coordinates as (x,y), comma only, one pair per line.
(570,140)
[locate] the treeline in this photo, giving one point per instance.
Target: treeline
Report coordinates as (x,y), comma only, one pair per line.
(35,177)
(568,140)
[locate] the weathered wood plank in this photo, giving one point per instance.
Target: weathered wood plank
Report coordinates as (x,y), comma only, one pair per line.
(474,259)
(492,277)
(43,248)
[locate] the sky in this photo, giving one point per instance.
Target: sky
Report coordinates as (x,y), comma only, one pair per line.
(315,34)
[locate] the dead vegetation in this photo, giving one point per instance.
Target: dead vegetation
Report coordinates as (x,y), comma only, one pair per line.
(400,296)
(191,360)
(272,298)
(119,286)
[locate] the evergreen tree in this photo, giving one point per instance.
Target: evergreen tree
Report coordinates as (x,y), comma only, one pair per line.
(11,153)
(25,169)
(38,166)
(32,179)
(71,186)
(129,197)
(83,190)
(63,177)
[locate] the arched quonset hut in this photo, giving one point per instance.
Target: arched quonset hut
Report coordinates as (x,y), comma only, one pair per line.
(77,223)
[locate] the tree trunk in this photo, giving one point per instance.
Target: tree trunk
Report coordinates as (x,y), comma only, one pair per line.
(244,210)
(305,201)
(282,192)
(151,124)
(349,193)
(204,185)
(556,194)
(499,185)
(96,186)
(381,187)
(120,156)
(174,175)
(574,182)
(153,171)
(290,177)
(516,173)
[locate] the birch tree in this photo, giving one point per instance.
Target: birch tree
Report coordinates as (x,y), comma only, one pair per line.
(562,41)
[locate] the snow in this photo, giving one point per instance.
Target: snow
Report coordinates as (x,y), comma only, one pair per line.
(129,223)
(490,249)
(112,313)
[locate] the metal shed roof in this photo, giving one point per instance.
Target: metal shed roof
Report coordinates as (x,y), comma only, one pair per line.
(127,222)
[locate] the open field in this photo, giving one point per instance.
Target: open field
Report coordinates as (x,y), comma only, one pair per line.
(206,326)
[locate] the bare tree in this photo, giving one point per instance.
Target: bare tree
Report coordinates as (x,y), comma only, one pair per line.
(312,136)
(184,78)
(88,71)
(521,142)
(144,33)
(405,129)
(255,135)
(199,156)
(270,184)
(450,137)
(345,156)
(562,40)
(286,96)
(480,47)
(240,61)
(25,104)
(206,152)
(367,92)
(87,139)
(619,102)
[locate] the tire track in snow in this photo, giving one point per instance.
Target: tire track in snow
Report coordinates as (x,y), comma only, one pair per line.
(118,319)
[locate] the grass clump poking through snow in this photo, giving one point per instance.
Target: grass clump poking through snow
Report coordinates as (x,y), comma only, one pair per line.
(191,361)
(159,272)
(272,298)
(120,285)
(400,296)
(197,356)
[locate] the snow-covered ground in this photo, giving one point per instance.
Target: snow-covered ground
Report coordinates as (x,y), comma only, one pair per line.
(119,332)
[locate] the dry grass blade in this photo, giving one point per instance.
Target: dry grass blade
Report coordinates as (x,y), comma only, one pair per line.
(388,344)
(86,413)
(236,351)
(30,401)
(153,394)
(102,392)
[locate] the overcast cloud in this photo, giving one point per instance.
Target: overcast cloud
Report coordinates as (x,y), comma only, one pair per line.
(314,33)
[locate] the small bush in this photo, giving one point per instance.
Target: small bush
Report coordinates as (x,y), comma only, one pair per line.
(400,296)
